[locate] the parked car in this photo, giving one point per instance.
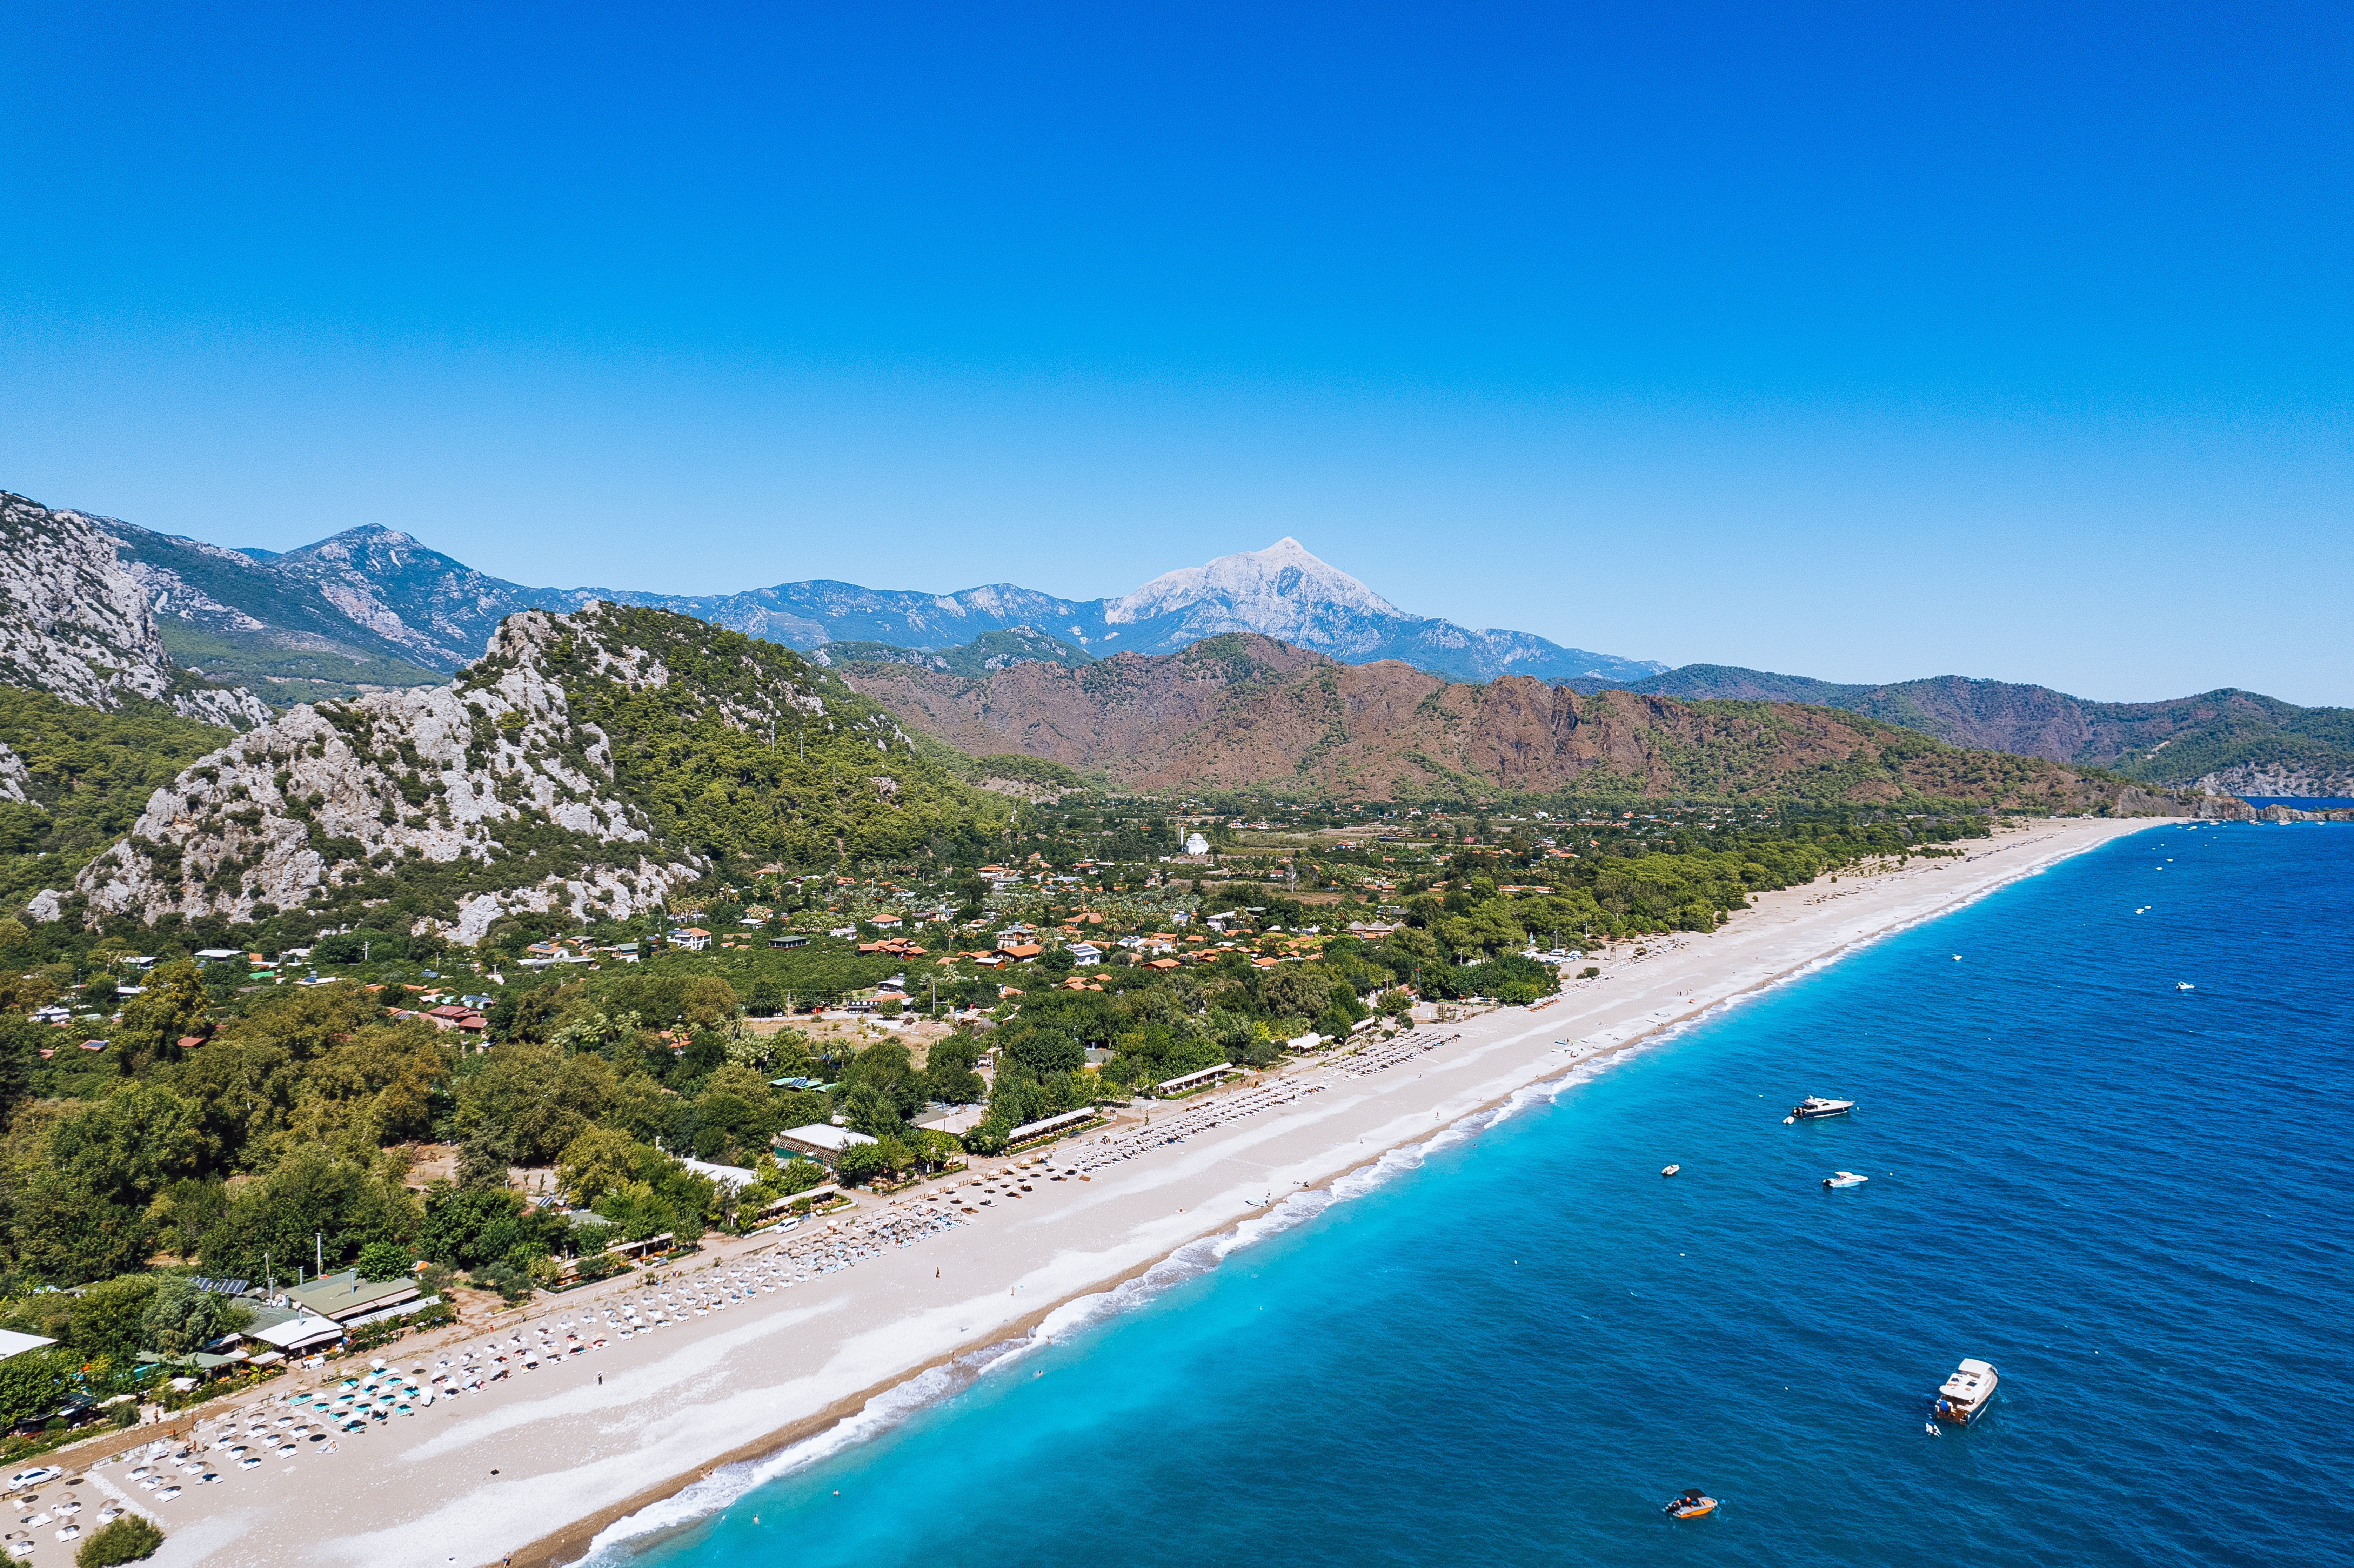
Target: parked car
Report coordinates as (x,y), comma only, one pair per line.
(35,1475)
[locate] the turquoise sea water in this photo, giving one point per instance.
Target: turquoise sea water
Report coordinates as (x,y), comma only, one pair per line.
(2132,1199)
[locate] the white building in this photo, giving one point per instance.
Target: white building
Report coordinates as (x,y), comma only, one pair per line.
(736,1174)
(12,1343)
(1085,953)
(821,1141)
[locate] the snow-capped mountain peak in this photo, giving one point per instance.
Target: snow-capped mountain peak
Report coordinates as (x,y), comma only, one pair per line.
(1282,590)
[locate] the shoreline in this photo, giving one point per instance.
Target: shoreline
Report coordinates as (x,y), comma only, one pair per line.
(715,1401)
(573,1544)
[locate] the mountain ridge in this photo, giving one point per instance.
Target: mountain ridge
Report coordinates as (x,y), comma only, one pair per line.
(373,608)
(1246,711)
(2225,741)
(387,610)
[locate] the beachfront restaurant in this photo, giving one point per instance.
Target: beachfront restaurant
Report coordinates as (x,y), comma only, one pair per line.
(822,1141)
(823,1192)
(1186,1083)
(295,1333)
(1053,1126)
(345,1296)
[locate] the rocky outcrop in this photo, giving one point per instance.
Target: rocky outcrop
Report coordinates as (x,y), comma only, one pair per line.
(2133,800)
(15,782)
(2291,814)
(2317,779)
(493,777)
(74,622)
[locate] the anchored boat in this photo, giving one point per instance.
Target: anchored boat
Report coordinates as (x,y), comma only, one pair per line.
(1967,1393)
(1692,1505)
(1844,1179)
(1813,1107)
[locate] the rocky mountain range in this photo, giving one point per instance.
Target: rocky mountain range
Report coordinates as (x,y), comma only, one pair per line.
(1281,591)
(2227,741)
(374,607)
(75,622)
(1247,712)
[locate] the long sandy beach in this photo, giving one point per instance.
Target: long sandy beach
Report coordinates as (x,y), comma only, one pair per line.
(622,1435)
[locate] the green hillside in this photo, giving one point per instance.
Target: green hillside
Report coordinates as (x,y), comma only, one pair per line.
(994,649)
(728,762)
(2175,741)
(91,773)
(280,675)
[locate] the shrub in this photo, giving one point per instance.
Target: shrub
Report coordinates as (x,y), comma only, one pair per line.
(127,1540)
(507,1278)
(381,1261)
(603,1265)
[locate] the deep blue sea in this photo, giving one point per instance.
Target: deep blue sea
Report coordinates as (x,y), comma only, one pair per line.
(2132,1199)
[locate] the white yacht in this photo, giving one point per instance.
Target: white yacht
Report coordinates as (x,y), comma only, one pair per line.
(1844,1179)
(1814,1107)
(1967,1393)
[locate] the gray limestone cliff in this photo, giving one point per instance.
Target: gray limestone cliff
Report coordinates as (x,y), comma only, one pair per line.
(75,624)
(492,778)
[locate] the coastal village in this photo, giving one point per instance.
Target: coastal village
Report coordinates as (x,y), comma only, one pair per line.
(1124,786)
(321,1371)
(606,992)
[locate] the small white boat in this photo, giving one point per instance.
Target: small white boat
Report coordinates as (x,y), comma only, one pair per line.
(1967,1393)
(1844,1179)
(2184,985)
(1669,1169)
(1813,1107)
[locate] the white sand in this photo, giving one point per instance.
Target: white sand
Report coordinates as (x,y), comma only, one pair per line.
(572,1455)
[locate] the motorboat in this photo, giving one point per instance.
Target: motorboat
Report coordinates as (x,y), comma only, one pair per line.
(1844,1179)
(1692,1505)
(1813,1107)
(1669,1169)
(1967,1393)
(2184,985)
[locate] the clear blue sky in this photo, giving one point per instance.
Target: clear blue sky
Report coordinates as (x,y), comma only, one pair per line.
(1865,342)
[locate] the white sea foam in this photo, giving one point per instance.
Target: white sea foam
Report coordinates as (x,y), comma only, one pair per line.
(722,1487)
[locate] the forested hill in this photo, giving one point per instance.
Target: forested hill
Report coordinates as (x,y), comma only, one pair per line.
(1237,712)
(990,651)
(2231,741)
(591,762)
